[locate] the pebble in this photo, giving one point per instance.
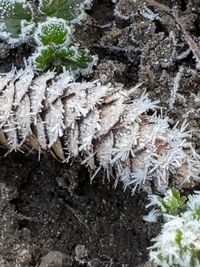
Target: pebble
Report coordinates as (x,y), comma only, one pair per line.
(56,259)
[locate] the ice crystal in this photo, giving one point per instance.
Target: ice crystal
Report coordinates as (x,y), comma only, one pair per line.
(106,124)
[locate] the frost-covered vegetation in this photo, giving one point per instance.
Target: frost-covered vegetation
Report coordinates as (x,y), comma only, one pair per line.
(178,244)
(141,148)
(120,132)
(50,27)
(55,48)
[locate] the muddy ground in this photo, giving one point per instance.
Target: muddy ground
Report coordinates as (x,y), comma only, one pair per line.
(50,214)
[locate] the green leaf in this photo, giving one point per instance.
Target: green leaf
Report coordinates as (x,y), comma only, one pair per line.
(176,194)
(53,32)
(195,257)
(77,59)
(83,59)
(45,59)
(68,54)
(13,26)
(179,236)
(52,58)
(11,15)
(173,203)
(66,9)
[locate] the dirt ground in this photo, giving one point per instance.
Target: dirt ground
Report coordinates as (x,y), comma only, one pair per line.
(50,214)
(46,206)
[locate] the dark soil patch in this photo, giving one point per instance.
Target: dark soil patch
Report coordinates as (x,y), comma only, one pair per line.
(56,208)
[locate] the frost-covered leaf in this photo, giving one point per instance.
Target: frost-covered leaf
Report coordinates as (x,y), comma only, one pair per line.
(6,102)
(41,136)
(179,239)
(12,13)
(54,122)
(23,119)
(65,9)
(53,32)
(38,90)
(23,81)
(87,134)
(52,58)
(110,114)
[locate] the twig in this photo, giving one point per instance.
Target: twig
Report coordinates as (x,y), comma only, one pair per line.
(159,6)
(191,43)
(78,217)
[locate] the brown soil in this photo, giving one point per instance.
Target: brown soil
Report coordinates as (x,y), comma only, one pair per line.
(53,207)
(46,206)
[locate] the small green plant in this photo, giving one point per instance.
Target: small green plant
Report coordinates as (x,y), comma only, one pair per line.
(51,31)
(16,16)
(55,49)
(172,204)
(178,244)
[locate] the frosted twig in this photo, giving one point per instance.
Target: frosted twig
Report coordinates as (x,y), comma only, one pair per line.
(175,87)
(191,43)
(159,6)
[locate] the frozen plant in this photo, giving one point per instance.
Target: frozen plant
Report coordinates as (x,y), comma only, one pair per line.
(172,204)
(69,10)
(55,50)
(178,244)
(51,31)
(105,125)
(18,17)
(16,20)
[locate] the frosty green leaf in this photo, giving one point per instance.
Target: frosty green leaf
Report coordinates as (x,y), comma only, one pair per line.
(178,244)
(53,32)
(12,13)
(52,58)
(46,59)
(55,51)
(179,236)
(173,202)
(76,58)
(83,59)
(66,9)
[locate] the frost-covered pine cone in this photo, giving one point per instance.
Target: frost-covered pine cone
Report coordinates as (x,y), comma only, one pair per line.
(102,124)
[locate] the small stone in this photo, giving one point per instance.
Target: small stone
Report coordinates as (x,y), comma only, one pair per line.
(4,51)
(56,259)
(24,257)
(4,263)
(81,253)
(147,264)
(94,263)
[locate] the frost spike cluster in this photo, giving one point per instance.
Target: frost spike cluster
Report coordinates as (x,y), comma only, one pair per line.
(178,244)
(103,124)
